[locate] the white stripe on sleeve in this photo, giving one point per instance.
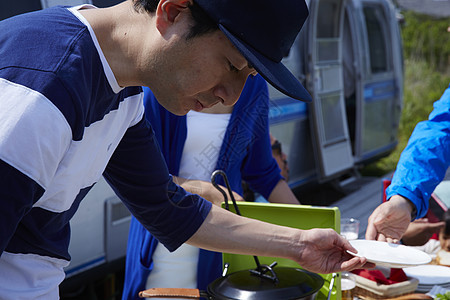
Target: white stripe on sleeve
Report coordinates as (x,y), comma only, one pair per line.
(34,135)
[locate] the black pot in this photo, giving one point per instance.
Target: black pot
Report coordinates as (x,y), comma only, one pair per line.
(263,283)
(289,283)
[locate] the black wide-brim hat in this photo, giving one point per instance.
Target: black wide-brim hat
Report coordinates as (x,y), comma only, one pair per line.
(263,31)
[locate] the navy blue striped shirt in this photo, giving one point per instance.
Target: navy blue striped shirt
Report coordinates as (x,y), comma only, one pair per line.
(65,122)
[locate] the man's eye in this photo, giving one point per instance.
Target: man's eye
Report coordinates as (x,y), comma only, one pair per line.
(232,67)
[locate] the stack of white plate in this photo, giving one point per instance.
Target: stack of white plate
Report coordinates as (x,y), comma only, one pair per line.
(429,276)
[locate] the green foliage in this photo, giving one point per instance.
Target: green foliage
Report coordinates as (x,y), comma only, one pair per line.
(427,74)
(426,38)
(446,296)
(423,86)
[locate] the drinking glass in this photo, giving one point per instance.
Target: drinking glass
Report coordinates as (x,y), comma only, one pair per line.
(348,284)
(350,228)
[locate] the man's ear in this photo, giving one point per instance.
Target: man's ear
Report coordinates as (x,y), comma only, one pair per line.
(168,11)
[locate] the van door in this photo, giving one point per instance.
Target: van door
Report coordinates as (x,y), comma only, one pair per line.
(328,118)
(380,78)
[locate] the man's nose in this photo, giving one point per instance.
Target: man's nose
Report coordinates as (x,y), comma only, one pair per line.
(230,91)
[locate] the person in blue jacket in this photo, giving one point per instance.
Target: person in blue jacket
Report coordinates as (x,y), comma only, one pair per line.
(422,166)
(243,152)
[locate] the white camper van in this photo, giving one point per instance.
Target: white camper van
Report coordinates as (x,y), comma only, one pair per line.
(349,56)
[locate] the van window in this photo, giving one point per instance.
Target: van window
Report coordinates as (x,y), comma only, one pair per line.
(377,35)
(332,119)
(327,33)
(328,10)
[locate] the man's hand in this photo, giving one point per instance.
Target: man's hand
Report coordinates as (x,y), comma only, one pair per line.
(389,220)
(206,190)
(420,231)
(325,251)
(317,250)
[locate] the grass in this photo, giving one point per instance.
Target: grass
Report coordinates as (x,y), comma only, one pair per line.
(427,74)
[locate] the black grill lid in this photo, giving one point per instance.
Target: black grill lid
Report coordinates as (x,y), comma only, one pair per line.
(292,284)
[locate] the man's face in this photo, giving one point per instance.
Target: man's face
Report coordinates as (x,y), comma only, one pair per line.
(199,73)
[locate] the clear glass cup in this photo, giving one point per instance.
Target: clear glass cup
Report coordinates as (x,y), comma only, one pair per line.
(350,228)
(348,284)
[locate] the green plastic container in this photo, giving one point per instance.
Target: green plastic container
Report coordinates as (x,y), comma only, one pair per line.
(297,216)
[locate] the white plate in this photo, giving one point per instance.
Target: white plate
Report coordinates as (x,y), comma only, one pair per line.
(429,274)
(389,255)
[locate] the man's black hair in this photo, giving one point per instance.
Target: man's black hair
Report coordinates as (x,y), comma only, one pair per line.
(202,22)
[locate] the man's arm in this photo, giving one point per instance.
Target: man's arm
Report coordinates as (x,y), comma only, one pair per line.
(282,193)
(317,250)
(420,231)
(34,136)
(138,174)
(205,189)
(421,168)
